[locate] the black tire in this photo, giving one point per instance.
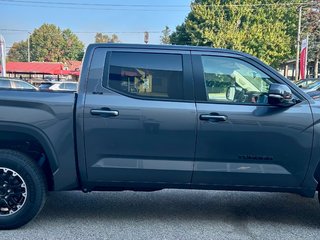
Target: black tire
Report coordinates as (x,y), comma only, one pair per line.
(17,165)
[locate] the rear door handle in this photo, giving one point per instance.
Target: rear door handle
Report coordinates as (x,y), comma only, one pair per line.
(104,112)
(217,118)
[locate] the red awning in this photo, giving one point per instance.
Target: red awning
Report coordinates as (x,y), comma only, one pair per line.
(34,67)
(67,72)
(75,73)
(39,68)
(61,72)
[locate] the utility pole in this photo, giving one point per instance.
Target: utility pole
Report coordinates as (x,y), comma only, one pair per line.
(3,56)
(298,45)
(29,34)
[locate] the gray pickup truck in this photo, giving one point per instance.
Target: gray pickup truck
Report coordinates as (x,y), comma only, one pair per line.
(150,117)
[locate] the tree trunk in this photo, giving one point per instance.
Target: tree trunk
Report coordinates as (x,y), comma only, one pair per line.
(316,64)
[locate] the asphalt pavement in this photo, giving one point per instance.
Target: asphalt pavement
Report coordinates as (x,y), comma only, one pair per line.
(173,214)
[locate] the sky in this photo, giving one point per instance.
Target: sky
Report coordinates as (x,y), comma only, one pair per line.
(98,16)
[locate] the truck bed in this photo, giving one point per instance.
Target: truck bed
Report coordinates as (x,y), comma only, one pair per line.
(50,116)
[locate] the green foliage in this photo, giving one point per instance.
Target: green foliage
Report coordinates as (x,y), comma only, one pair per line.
(72,47)
(18,52)
(104,38)
(165,38)
(49,44)
(46,44)
(181,36)
(101,38)
(267,32)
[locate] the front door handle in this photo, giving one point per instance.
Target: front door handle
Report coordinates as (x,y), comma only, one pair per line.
(217,118)
(104,112)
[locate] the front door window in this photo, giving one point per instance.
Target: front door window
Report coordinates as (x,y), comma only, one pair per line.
(232,80)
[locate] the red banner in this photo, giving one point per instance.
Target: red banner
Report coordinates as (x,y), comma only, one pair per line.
(303,58)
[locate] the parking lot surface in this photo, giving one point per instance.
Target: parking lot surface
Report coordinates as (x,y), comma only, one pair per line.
(173,214)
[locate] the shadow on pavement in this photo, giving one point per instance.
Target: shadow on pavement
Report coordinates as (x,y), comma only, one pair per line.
(236,208)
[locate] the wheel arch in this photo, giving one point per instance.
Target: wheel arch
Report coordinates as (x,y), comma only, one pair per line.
(18,136)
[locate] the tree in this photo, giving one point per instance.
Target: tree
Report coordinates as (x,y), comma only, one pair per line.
(101,38)
(49,44)
(165,38)
(46,44)
(18,52)
(72,46)
(181,36)
(265,31)
(114,39)
(104,38)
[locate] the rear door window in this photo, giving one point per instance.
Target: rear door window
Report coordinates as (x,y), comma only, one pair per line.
(146,75)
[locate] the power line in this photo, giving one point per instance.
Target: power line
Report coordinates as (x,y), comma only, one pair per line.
(133,7)
(92,4)
(94,9)
(14,30)
(253,5)
(152,5)
(84,32)
(117,32)
(135,10)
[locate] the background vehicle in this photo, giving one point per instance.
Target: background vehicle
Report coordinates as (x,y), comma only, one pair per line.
(16,84)
(305,82)
(314,86)
(46,85)
(149,117)
(64,86)
(51,79)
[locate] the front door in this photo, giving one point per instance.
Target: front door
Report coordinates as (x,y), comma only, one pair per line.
(140,117)
(242,140)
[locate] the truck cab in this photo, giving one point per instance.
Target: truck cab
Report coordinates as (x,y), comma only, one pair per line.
(192,117)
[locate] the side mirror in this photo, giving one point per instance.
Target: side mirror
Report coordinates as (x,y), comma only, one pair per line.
(280,95)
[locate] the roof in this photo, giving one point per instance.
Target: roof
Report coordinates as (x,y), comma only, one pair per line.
(34,67)
(167,47)
(39,68)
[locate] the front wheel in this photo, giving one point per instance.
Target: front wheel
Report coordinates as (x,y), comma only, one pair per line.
(22,189)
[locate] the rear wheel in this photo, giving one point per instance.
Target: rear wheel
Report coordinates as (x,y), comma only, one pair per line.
(22,189)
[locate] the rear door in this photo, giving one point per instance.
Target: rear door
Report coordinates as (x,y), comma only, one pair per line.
(140,117)
(242,140)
